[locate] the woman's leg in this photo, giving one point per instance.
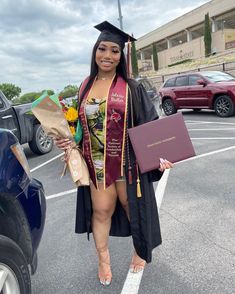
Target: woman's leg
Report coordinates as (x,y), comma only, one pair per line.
(137,263)
(103,204)
(122,195)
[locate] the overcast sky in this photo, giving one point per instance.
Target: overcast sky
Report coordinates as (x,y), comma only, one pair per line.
(47,44)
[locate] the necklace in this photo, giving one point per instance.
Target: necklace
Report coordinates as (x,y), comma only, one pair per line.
(103,78)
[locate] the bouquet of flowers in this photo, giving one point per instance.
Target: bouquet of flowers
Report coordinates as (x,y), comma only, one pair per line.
(71,115)
(56,122)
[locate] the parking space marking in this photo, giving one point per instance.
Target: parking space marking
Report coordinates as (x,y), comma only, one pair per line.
(61,194)
(214,138)
(161,186)
(208,122)
(206,154)
(132,283)
(46,162)
(224,129)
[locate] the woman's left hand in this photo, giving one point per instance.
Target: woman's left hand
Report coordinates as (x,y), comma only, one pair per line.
(165,164)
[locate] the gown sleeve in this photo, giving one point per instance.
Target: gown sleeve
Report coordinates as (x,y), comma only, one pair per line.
(146,113)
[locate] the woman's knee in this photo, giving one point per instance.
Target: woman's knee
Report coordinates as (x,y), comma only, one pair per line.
(102,214)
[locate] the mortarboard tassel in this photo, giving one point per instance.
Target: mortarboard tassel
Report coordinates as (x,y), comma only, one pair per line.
(138,188)
(139,194)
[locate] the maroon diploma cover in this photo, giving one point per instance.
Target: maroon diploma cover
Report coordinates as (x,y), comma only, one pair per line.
(165,138)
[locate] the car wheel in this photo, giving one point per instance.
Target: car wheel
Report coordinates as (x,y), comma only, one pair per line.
(14,272)
(224,106)
(41,143)
(168,107)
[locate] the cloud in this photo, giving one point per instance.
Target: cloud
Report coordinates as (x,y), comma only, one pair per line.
(48,43)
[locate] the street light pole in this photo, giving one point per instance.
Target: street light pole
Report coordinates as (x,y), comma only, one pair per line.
(120,15)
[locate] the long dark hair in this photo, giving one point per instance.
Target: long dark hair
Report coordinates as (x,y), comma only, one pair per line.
(121,69)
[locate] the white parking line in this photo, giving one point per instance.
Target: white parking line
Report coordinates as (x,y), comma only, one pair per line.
(206,154)
(208,122)
(46,162)
(132,283)
(61,194)
(214,138)
(159,193)
(224,129)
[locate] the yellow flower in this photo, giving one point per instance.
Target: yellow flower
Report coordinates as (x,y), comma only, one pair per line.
(72,130)
(71,114)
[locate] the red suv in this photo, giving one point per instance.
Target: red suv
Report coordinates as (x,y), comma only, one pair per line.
(199,90)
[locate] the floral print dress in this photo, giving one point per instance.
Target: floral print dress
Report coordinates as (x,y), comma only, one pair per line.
(95,113)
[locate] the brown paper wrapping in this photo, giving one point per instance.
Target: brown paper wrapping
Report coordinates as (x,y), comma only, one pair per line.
(55,125)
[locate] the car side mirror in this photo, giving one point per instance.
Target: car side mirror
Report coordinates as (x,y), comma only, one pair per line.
(201,82)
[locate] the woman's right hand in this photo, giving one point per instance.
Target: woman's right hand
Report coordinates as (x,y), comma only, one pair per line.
(63,144)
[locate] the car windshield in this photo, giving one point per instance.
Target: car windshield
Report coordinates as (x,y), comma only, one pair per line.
(218,77)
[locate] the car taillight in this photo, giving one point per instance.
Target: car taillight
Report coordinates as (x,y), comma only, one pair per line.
(20,156)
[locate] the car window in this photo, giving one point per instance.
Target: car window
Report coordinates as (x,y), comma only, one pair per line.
(181,81)
(1,103)
(192,80)
(218,76)
(148,85)
(170,83)
(144,84)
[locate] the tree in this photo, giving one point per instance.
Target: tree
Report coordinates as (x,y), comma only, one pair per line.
(11,91)
(155,57)
(49,92)
(134,62)
(69,91)
(207,35)
(29,97)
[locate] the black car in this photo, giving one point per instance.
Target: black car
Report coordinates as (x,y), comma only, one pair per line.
(150,88)
(22,217)
(20,120)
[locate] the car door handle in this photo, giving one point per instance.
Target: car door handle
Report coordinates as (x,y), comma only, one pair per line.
(7,116)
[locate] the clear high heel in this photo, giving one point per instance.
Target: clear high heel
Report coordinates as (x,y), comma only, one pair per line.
(104,271)
(137,263)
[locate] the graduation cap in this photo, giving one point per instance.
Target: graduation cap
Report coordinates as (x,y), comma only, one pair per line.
(113,34)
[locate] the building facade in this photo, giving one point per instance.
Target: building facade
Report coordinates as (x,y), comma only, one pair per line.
(183,38)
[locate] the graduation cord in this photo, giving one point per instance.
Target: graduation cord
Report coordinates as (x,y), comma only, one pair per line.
(128,150)
(138,189)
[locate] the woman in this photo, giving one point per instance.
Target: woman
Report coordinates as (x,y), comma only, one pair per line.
(109,104)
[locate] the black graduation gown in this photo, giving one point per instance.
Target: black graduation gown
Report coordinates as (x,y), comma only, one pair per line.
(144,222)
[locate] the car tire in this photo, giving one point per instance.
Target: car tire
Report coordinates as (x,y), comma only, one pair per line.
(41,143)
(224,106)
(168,107)
(13,268)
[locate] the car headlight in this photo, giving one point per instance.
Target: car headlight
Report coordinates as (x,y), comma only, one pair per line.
(20,156)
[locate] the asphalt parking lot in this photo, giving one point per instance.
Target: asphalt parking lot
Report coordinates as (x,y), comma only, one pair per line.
(197,215)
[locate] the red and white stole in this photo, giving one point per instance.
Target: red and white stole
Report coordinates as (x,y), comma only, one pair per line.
(114,132)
